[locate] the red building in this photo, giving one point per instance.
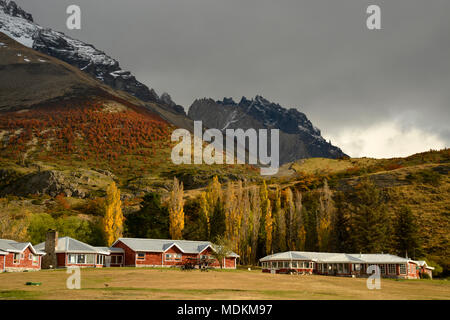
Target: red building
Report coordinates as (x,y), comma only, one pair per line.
(167,253)
(19,256)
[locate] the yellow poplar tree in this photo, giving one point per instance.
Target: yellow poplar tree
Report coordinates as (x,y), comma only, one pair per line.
(255,216)
(291,216)
(326,212)
(113,218)
(231,215)
(280,222)
(204,207)
(267,214)
(209,199)
(176,210)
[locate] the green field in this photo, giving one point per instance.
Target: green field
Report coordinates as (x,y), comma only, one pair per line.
(173,284)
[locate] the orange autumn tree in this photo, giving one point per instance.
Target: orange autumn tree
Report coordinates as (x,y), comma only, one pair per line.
(176,211)
(113,218)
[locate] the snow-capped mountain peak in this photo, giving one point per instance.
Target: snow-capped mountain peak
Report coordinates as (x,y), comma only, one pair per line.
(19,25)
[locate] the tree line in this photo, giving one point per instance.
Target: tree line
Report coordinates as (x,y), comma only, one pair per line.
(259,220)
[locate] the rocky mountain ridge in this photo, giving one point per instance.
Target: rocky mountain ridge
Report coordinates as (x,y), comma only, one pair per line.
(19,25)
(299,138)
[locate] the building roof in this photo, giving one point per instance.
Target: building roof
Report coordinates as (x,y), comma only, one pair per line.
(161,245)
(7,246)
(70,245)
(423,263)
(108,251)
(326,257)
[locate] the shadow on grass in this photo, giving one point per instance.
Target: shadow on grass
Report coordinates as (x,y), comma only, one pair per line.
(19,295)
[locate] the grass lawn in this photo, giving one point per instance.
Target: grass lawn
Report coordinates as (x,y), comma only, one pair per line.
(132,283)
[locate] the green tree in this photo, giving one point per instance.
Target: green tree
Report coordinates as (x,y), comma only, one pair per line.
(217,221)
(340,225)
(370,220)
(221,249)
(39,224)
(151,221)
(406,238)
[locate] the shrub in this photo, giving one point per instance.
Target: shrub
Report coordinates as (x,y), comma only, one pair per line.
(425,176)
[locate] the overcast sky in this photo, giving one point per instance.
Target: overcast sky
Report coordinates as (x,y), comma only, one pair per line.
(379,93)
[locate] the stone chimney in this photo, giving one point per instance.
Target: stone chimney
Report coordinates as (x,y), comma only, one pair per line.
(49,260)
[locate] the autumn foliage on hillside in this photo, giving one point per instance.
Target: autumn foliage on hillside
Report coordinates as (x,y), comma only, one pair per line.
(84,131)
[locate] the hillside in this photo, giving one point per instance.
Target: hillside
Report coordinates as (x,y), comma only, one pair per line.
(420,182)
(55,114)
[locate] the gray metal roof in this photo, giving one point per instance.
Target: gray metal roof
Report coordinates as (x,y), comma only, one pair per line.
(423,263)
(161,245)
(70,245)
(327,257)
(108,251)
(7,246)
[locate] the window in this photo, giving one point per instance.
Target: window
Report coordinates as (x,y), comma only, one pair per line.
(72,258)
(90,259)
(35,260)
(16,258)
(294,264)
(141,256)
(286,264)
(100,259)
(392,269)
(177,256)
(116,259)
(22,256)
(382,268)
(81,259)
(345,268)
(30,256)
(363,268)
(340,267)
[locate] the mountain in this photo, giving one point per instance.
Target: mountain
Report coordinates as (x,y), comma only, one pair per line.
(298,137)
(58,125)
(19,25)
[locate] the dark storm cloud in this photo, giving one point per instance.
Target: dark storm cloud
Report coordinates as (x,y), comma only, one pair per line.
(315,55)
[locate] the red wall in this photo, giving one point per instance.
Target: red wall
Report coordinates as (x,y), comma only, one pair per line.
(61,259)
(24,263)
(151,259)
(412,272)
(2,259)
(230,263)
